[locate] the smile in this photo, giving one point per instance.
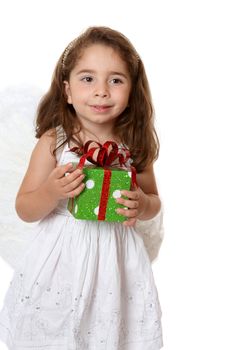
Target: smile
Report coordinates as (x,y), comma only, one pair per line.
(99,108)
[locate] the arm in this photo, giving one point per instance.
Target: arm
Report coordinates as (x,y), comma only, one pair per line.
(44,183)
(144,202)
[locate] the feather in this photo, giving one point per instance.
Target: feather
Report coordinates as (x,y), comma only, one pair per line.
(152,233)
(17,111)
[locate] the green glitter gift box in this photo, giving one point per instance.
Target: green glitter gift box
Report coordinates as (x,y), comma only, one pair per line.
(98,200)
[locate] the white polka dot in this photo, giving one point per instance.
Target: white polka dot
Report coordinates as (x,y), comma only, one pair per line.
(129,174)
(90,184)
(96,210)
(116,194)
(76,208)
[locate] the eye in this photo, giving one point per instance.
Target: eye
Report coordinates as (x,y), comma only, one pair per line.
(116,81)
(87,79)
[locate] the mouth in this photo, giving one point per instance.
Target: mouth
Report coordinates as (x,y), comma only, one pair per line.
(100,108)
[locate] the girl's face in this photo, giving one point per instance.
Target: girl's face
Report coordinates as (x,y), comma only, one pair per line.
(99,86)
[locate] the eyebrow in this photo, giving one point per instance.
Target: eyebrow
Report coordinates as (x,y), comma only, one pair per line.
(93,72)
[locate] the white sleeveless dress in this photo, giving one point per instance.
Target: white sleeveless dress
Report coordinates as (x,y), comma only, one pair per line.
(82,285)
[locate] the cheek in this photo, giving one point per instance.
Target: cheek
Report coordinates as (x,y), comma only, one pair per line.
(126,94)
(82,93)
(125,99)
(123,96)
(77,97)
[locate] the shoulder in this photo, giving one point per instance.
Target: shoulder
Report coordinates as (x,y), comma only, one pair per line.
(47,141)
(43,152)
(49,136)
(41,163)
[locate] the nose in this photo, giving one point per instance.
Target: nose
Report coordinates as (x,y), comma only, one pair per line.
(101,90)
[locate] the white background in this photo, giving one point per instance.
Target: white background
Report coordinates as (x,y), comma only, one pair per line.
(187,50)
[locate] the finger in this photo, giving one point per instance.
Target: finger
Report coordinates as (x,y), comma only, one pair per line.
(74,167)
(74,184)
(76,191)
(61,170)
(130,222)
(128,203)
(128,213)
(74,171)
(130,194)
(70,177)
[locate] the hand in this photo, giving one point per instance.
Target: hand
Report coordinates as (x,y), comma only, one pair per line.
(135,205)
(65,182)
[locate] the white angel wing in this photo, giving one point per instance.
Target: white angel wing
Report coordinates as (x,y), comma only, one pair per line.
(17,112)
(152,233)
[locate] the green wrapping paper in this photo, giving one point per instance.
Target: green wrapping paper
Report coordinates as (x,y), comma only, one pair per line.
(89,204)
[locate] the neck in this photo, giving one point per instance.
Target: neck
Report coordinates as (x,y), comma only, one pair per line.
(100,134)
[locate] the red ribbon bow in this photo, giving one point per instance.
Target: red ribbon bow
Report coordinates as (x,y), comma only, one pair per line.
(102,155)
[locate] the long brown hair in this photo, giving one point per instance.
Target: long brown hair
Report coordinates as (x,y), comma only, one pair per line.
(134,127)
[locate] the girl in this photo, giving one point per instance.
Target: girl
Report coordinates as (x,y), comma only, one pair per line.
(87,284)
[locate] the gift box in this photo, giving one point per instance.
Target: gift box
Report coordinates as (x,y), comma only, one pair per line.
(98,200)
(103,181)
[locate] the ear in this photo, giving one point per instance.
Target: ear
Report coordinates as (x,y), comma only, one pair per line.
(67,91)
